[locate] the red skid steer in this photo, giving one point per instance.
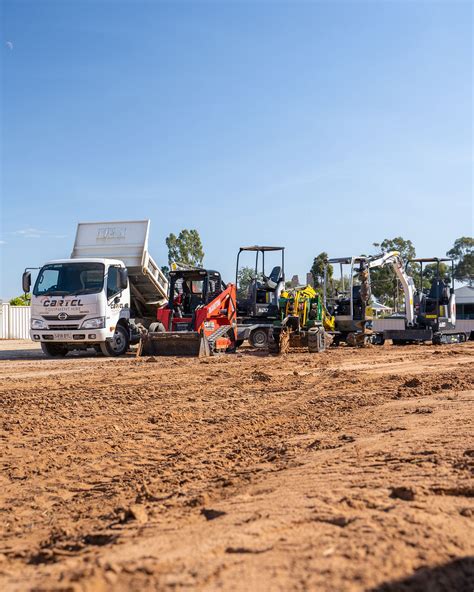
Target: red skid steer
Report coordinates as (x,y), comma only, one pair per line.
(200,318)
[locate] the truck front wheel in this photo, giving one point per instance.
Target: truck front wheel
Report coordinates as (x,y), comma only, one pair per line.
(118,345)
(54,350)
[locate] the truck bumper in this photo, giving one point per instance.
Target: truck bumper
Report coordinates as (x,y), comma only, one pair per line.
(77,336)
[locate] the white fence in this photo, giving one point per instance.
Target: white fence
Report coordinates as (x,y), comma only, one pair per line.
(14,321)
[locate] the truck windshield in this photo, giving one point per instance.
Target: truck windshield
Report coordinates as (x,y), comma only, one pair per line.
(67,279)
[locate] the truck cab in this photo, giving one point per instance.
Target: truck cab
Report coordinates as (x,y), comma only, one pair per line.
(80,303)
(103,296)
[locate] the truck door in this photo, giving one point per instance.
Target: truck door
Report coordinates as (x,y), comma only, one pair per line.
(115,295)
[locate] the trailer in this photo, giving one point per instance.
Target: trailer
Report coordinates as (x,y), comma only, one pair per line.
(103,296)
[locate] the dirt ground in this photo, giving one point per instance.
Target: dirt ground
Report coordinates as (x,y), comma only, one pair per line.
(345,471)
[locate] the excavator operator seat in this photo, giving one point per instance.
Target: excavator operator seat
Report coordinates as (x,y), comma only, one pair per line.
(274,278)
(439,291)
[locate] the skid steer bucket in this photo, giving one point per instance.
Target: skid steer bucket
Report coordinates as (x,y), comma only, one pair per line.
(175,343)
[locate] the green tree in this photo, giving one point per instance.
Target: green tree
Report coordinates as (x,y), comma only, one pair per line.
(186,248)
(405,247)
(429,273)
(383,281)
(317,270)
(23,300)
(463,254)
(245,276)
(464,270)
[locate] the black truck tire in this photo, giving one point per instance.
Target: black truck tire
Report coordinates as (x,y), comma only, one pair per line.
(118,345)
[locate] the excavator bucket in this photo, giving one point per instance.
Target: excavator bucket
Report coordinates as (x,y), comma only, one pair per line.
(175,343)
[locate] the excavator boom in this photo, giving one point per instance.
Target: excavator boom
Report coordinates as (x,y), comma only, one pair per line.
(394,259)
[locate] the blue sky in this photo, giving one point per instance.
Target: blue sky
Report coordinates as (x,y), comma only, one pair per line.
(315,125)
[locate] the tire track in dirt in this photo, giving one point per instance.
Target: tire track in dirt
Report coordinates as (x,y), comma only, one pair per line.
(105,452)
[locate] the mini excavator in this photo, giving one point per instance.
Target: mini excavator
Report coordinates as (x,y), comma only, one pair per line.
(350,303)
(303,322)
(430,314)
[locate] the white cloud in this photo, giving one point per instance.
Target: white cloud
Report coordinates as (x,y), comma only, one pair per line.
(2,242)
(31,232)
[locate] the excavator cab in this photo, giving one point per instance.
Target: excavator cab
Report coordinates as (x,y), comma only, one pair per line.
(435,307)
(260,298)
(258,292)
(348,299)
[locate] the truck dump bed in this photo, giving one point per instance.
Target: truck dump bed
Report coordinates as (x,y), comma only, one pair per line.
(128,242)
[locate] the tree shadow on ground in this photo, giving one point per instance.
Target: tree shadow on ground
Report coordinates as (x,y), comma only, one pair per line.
(456,576)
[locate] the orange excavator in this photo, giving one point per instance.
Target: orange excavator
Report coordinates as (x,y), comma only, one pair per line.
(199,319)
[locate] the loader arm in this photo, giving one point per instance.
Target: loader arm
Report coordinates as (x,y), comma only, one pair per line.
(217,320)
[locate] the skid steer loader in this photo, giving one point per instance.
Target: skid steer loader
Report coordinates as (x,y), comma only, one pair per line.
(304,322)
(200,318)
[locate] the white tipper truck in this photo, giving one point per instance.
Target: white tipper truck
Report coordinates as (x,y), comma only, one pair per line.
(100,297)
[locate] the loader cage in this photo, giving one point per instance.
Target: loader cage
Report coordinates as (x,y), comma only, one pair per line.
(192,288)
(199,318)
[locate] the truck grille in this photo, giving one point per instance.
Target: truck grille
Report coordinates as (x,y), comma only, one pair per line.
(62,327)
(69,317)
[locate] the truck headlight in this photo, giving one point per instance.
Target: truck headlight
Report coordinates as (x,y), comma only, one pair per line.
(38,324)
(97,323)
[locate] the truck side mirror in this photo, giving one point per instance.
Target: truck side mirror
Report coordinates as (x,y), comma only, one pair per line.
(122,278)
(26,282)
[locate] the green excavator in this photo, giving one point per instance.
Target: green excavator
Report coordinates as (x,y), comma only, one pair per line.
(303,322)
